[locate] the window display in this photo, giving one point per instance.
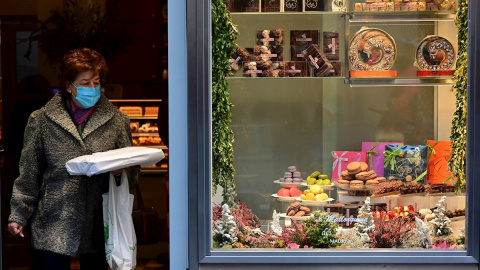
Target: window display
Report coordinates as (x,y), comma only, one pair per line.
(343,141)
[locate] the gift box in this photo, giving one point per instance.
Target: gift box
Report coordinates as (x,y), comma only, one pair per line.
(331,45)
(300,40)
(406,163)
(375,155)
(341,160)
(293,5)
(271,5)
(437,167)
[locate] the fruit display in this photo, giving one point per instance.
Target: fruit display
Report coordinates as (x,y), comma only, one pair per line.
(289,191)
(317,178)
(314,193)
(297,210)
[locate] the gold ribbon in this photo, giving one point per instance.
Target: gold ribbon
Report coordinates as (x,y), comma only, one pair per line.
(390,157)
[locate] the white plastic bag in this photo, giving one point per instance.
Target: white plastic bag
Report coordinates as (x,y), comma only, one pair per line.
(112,160)
(120,239)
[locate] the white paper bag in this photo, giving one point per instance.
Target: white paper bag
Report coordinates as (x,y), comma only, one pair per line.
(120,239)
(112,160)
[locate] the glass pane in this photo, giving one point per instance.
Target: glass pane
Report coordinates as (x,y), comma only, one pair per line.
(27,55)
(338,159)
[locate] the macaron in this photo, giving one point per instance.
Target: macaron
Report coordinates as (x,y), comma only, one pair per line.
(292,168)
(282,179)
(297,179)
(366,175)
(287,174)
(363,166)
(289,180)
(343,182)
(371,184)
(356,184)
(297,174)
(345,175)
(354,167)
(381,179)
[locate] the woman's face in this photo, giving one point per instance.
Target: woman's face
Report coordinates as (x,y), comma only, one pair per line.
(84,79)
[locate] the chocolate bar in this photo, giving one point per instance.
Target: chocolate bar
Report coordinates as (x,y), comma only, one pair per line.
(300,40)
(331,45)
(270,37)
(268,53)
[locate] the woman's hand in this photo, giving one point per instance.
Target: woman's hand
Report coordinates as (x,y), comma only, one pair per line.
(15,229)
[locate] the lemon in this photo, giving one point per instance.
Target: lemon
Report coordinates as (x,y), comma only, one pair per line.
(306,191)
(303,197)
(324,196)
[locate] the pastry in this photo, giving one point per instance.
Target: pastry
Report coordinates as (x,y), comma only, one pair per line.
(346,176)
(356,184)
(354,167)
(366,175)
(363,166)
(287,174)
(297,174)
(292,168)
(371,184)
(281,179)
(151,111)
(134,126)
(289,180)
(297,179)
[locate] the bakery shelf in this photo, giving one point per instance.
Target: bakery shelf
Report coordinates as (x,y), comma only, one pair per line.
(154,170)
(133,117)
(402,16)
(145,134)
(135,100)
(399,81)
(282,14)
(163,147)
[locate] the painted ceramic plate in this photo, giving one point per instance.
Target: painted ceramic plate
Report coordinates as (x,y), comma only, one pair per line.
(435,53)
(371,49)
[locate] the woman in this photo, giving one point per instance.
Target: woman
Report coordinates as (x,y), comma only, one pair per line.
(64,211)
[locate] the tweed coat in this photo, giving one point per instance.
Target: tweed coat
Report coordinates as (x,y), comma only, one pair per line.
(62,209)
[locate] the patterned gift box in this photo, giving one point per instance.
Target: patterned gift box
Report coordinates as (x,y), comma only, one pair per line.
(406,163)
(375,156)
(437,167)
(341,160)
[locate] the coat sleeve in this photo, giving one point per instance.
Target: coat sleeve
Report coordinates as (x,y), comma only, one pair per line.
(26,188)
(124,140)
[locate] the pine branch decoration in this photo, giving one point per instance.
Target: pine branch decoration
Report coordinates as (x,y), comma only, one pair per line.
(224,34)
(458,137)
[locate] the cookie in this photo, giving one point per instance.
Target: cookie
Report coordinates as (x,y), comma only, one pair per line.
(356,184)
(363,166)
(354,167)
(366,175)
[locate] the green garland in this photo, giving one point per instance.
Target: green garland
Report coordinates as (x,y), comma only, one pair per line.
(457,163)
(224,34)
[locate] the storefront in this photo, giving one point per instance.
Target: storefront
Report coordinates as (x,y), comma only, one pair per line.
(316,90)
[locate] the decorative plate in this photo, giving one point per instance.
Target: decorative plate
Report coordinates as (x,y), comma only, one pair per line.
(284,198)
(289,183)
(435,53)
(314,203)
(371,49)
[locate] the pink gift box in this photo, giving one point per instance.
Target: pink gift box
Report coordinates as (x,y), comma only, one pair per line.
(341,160)
(376,153)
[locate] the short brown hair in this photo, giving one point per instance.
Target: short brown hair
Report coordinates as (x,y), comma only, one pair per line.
(80,60)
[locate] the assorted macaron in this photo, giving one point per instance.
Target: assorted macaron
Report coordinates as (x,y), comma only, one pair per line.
(358,176)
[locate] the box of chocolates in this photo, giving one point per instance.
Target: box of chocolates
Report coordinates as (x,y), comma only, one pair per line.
(271,5)
(406,163)
(318,5)
(270,37)
(300,40)
(255,69)
(237,58)
(243,5)
(331,45)
(293,5)
(294,68)
(318,61)
(268,53)
(437,167)
(336,71)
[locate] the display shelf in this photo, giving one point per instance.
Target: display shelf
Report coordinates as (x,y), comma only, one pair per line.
(286,78)
(282,14)
(163,147)
(399,81)
(145,134)
(401,16)
(154,170)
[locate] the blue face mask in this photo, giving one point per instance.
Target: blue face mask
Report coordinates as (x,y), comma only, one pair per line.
(87,96)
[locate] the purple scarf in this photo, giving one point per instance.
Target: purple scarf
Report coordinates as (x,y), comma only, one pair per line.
(80,116)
